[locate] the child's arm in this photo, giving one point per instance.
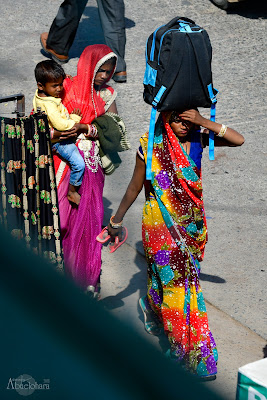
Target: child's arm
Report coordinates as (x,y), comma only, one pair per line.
(133,190)
(229,137)
(55,118)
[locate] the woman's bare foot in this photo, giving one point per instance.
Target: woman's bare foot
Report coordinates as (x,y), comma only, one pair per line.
(74,197)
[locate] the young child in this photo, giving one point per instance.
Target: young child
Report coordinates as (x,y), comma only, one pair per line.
(49,77)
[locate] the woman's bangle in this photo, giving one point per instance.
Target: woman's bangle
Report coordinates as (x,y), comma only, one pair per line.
(92,131)
(52,131)
(222,131)
(115,225)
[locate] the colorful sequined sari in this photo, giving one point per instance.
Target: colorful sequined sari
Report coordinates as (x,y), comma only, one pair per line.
(174,236)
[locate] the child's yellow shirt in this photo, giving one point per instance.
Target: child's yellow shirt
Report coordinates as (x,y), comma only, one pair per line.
(58,116)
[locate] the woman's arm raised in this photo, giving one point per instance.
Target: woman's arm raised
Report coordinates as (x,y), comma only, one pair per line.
(226,136)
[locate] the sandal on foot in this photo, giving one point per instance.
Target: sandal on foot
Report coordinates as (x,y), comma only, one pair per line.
(113,246)
(151,327)
(103,236)
(93,293)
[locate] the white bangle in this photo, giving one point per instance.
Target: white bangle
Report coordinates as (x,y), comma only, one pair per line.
(222,131)
(92,131)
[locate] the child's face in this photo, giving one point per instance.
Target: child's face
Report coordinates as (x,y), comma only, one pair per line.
(53,88)
(103,73)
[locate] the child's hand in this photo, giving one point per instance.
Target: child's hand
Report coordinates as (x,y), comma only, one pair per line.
(69,76)
(77,111)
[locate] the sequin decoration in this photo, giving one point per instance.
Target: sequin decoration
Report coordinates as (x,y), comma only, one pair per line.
(174,237)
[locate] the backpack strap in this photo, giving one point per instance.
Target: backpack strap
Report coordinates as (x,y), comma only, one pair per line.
(167,82)
(212,93)
(176,20)
(195,41)
(212,118)
(171,74)
(152,131)
(150,143)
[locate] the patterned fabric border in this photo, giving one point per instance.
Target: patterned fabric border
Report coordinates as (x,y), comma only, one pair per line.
(29,206)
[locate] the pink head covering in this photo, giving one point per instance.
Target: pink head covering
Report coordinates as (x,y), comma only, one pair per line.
(80,92)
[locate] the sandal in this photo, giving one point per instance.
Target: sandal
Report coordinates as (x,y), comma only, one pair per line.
(103,236)
(113,246)
(93,293)
(151,327)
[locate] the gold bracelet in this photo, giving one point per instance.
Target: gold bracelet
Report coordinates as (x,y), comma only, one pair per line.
(88,129)
(222,131)
(115,225)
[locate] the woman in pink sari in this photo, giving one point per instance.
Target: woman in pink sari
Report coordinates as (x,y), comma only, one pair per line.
(80,225)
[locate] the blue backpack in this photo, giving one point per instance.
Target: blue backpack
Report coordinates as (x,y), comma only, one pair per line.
(178,60)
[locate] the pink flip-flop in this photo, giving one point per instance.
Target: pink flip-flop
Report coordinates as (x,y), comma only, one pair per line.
(113,246)
(103,236)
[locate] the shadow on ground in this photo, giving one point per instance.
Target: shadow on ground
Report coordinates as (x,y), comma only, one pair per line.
(136,283)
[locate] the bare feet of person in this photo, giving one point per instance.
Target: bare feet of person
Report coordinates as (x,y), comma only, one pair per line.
(74,197)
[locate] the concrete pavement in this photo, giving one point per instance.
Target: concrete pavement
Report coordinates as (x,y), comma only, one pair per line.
(234,269)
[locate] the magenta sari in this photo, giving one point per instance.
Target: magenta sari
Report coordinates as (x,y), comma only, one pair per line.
(80,225)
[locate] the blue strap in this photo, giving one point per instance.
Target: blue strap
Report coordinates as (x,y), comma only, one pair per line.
(211,133)
(153,45)
(152,131)
(184,27)
(150,143)
(212,93)
(158,96)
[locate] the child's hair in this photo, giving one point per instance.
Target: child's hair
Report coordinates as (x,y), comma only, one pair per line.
(48,71)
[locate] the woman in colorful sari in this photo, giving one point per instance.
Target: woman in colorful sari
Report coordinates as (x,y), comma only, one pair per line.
(174,234)
(80,225)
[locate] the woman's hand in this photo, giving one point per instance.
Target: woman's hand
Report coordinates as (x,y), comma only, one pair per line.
(113,232)
(73,132)
(230,138)
(192,116)
(70,134)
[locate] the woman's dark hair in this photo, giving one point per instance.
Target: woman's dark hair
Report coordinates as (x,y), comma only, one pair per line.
(175,116)
(48,71)
(113,60)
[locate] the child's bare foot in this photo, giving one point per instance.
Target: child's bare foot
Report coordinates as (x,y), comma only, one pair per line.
(74,197)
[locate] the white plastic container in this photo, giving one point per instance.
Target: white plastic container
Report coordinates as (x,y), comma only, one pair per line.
(252,381)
